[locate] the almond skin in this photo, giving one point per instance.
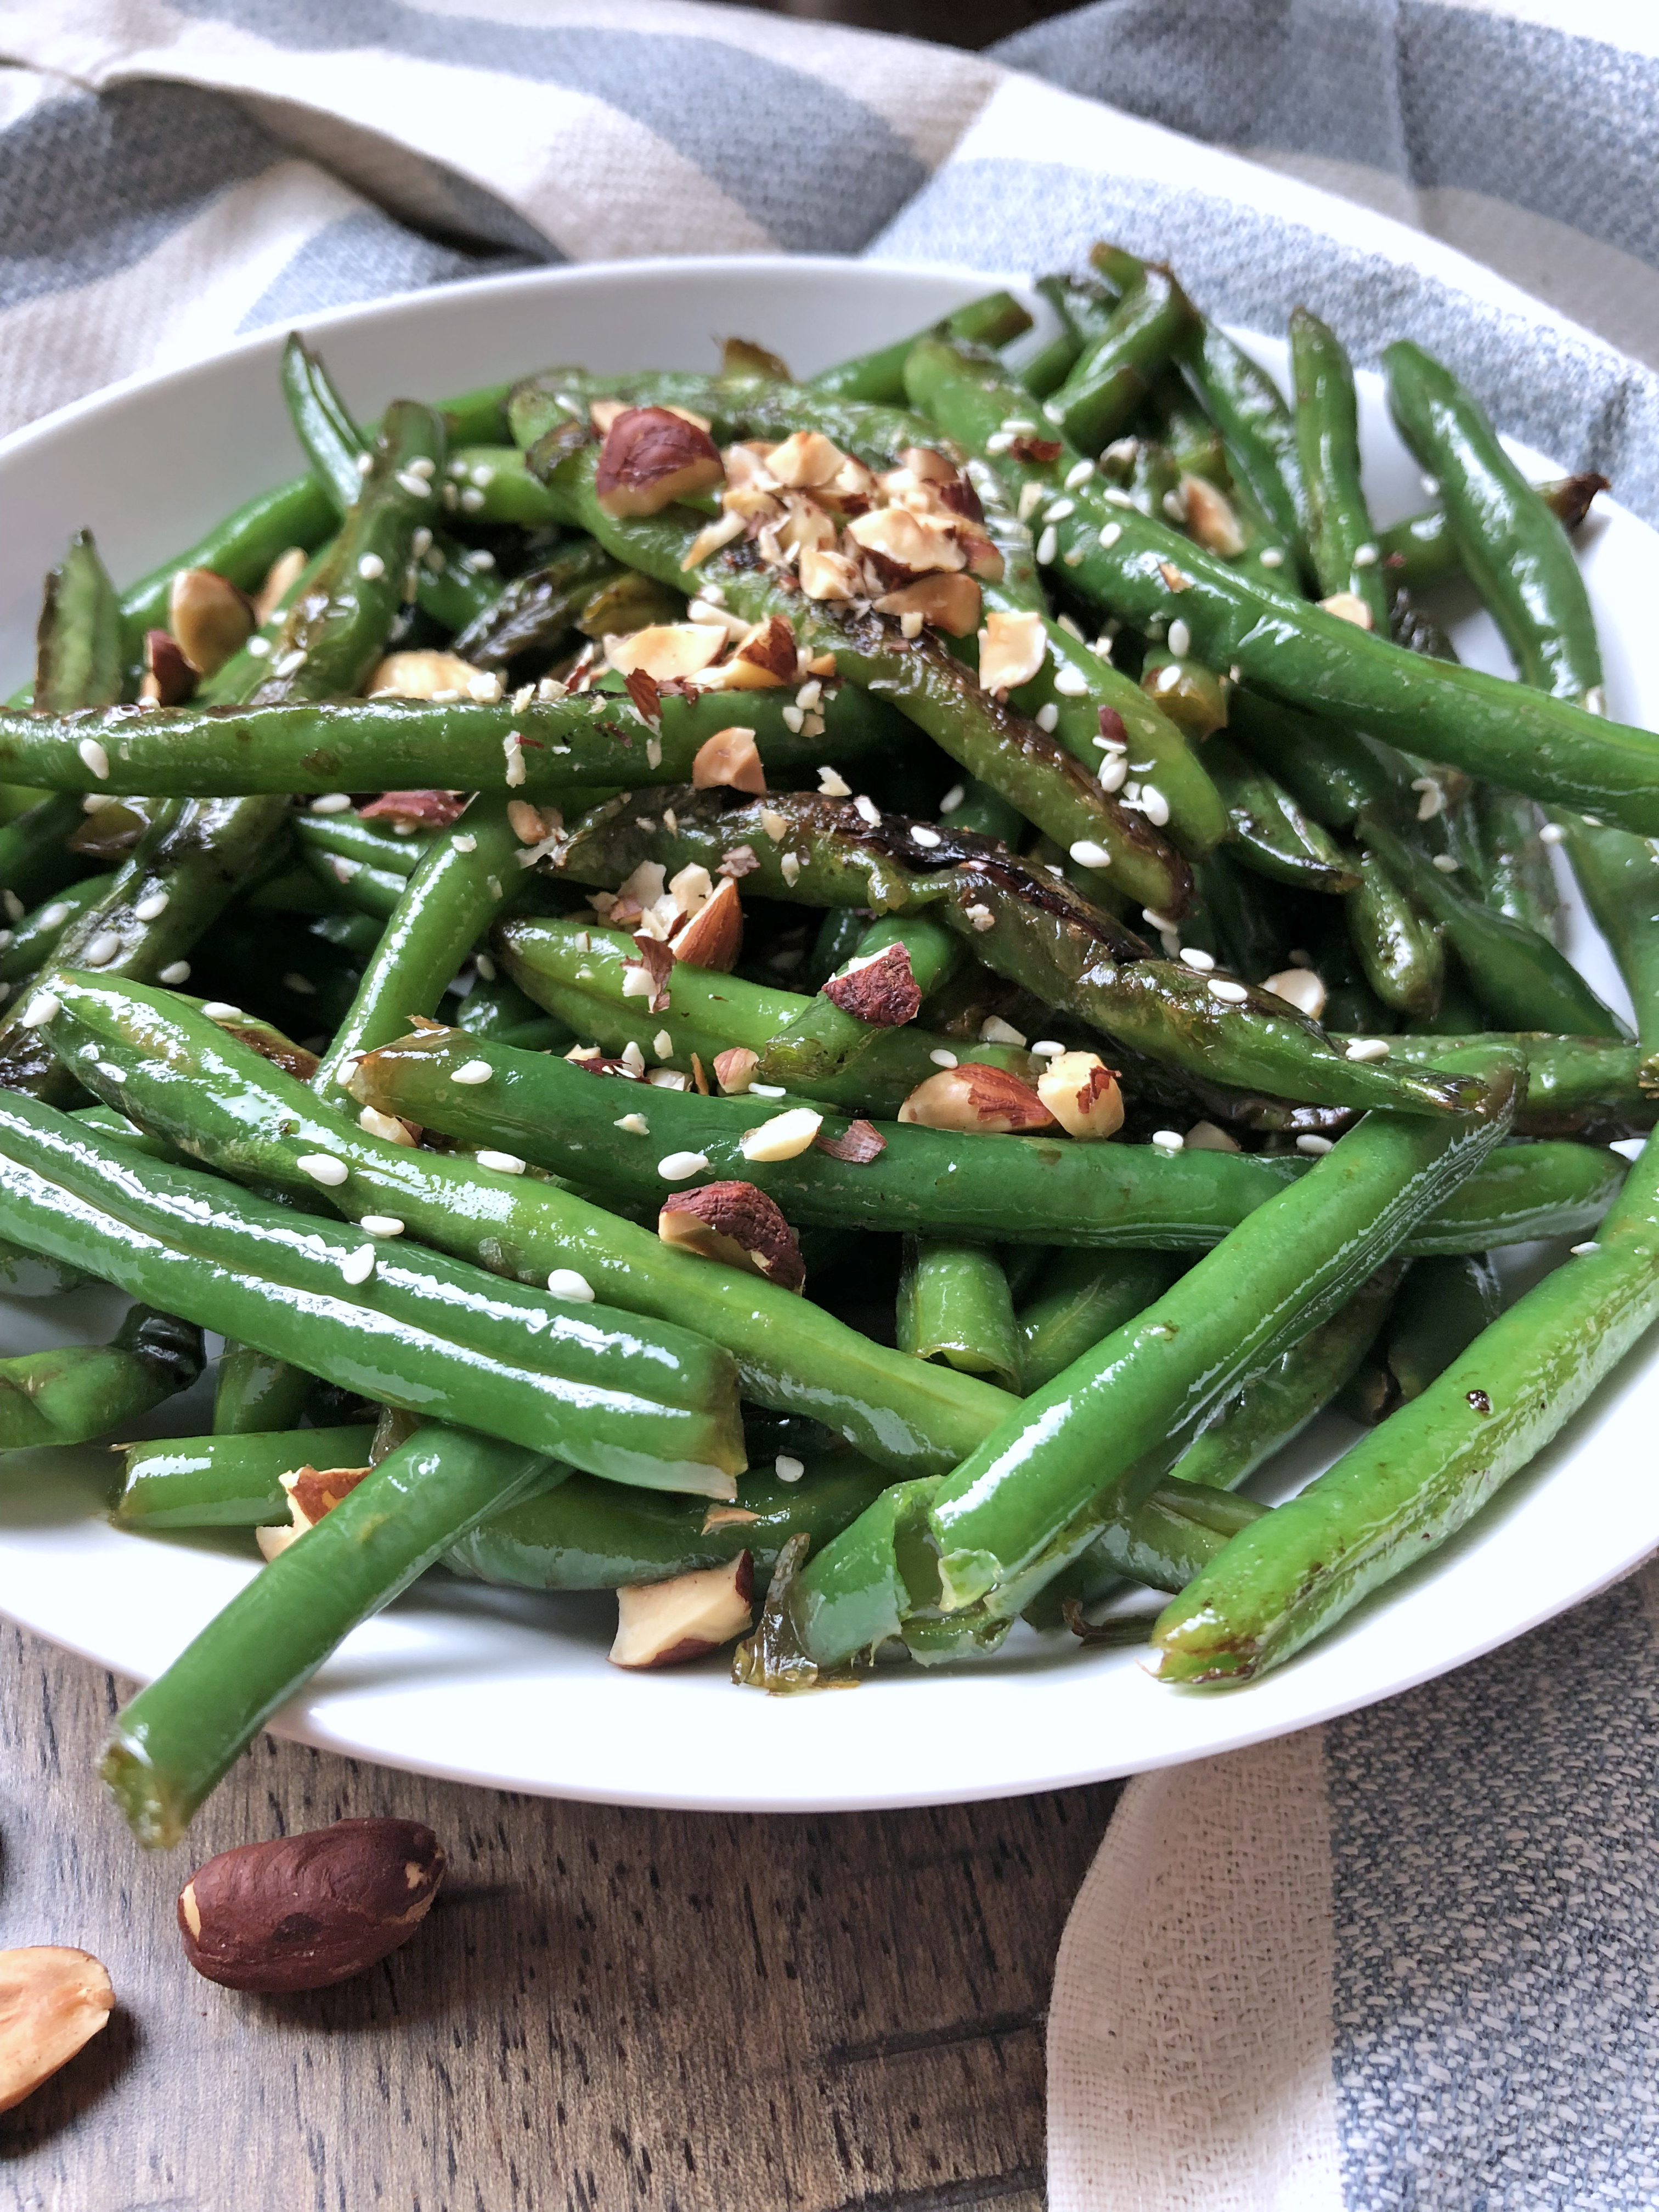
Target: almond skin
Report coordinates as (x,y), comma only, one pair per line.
(304,1912)
(168,678)
(977,1098)
(420,810)
(737,1224)
(734,1069)
(881,991)
(651,458)
(208,616)
(53,1999)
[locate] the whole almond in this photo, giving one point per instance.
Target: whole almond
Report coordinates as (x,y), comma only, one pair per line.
(208,616)
(652,457)
(304,1912)
(53,1999)
(737,1224)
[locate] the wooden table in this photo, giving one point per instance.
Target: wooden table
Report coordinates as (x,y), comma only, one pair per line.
(607,2009)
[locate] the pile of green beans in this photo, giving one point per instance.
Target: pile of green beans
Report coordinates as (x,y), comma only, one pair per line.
(452,991)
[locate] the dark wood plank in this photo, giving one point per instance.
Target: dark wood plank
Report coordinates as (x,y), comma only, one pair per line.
(607,2009)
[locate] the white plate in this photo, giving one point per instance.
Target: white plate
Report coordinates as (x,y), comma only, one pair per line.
(513,1689)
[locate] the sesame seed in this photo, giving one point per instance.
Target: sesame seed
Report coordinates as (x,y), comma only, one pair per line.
(954,797)
(357,1267)
(1180,639)
(176,972)
(921,834)
(1272,557)
(1088,854)
(1169,1140)
(259,646)
(365,463)
(680,1167)
(1232,994)
(1365,557)
(1595,700)
(635,1125)
(1363,1048)
(1079,473)
(41,1009)
(1046,716)
(502,1163)
(480,559)
(1577,1251)
(220,1010)
(1047,1049)
(323,1167)
(1061,511)
(380,1224)
(1551,834)
(101,949)
(1196,958)
(472,1071)
(1112,771)
(416,487)
(1114,497)
(1047,546)
(769,1090)
(371,568)
(50,917)
(96,759)
(999,442)
(1154,805)
(1168,680)
(1313,1147)
(1071,683)
(789,1469)
(1446,863)
(471,499)
(1431,486)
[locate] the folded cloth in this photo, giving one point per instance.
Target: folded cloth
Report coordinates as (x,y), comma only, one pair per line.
(1403,1960)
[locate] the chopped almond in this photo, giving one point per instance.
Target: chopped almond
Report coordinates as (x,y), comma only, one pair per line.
(653,456)
(730,759)
(1012,649)
(427,673)
(284,574)
(712,937)
(952,603)
(1302,988)
(208,616)
(913,542)
(737,1224)
(664,1624)
(805,458)
(977,1098)
(1211,516)
(734,1069)
(1349,607)
(667,650)
(1082,1094)
(829,576)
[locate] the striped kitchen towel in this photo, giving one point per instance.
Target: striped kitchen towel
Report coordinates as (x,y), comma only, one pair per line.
(1405,1961)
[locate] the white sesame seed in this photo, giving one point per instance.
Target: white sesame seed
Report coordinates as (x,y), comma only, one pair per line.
(1232,994)
(1431,486)
(176,972)
(1061,511)
(999,442)
(485,966)
(502,1163)
(1551,834)
(1595,700)
(100,950)
(941,1057)
(1169,1140)
(1180,639)
(635,1125)
(1313,1147)
(1088,854)
(331,802)
(1151,915)
(1196,958)
(1154,805)
(50,917)
(789,1469)
(370,567)
(1113,771)
(1071,683)
(1047,1049)
(471,499)
(921,834)
(1047,546)
(1110,533)
(365,463)
(1363,1048)
(259,646)
(1431,798)
(357,1267)
(1046,716)
(1446,863)
(467,844)
(1365,556)
(680,1167)
(1116,497)
(472,1072)
(380,1224)
(416,487)
(769,1090)
(44,1006)
(1272,557)
(1167,679)
(953,799)
(1577,1251)
(1079,473)
(323,1167)
(96,759)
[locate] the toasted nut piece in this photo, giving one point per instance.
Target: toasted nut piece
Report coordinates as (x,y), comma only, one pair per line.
(284,574)
(714,937)
(168,678)
(977,1098)
(666,650)
(734,1069)
(710,538)
(736,1223)
(805,458)
(928,466)
(1210,516)
(312,1491)
(805,525)
(1304,989)
(859,1143)
(305,1912)
(765,658)
(914,542)
(426,673)
(980,555)
(666,1624)
(419,809)
(829,576)
(783,1136)
(53,1999)
(1081,1092)
(726,1516)
(729,757)
(209,617)
(1012,649)
(525,821)
(1206,1137)
(653,456)
(952,603)
(691,889)
(880,990)
(1348,606)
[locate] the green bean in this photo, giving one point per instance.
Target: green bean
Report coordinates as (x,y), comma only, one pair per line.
(25,1274)
(1170,1538)
(349,837)
(35,860)
(823,1038)
(1399,948)
(1273,835)
(537,611)
(640,1403)
(1033,1497)
(255,1392)
(954,1305)
(1571,1083)
(241,548)
(185,1075)
(1510,859)
(1443,1307)
(491,484)
(1082,1297)
(1341,538)
(231,1481)
(1112,376)
(1482,724)
(879,376)
(1248,408)
(80,1391)
(1520,977)
(1331,773)
(1619,879)
(1420,1476)
(1423,548)
(36,936)
(175,1740)
(78,659)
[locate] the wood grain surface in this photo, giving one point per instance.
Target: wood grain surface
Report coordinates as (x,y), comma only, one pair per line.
(607,2008)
